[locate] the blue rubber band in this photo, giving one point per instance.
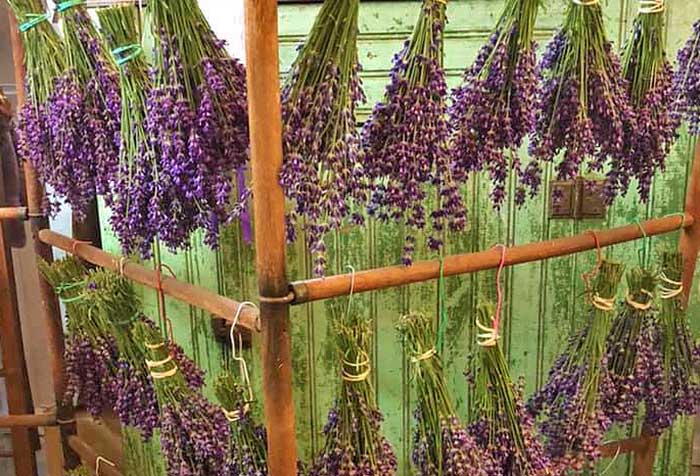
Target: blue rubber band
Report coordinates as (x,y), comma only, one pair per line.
(35,19)
(135,49)
(63,6)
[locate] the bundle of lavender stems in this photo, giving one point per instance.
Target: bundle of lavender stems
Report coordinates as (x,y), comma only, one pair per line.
(441,444)
(583,108)
(680,355)
(569,408)
(198,116)
(354,443)
(634,354)
(84,113)
(90,350)
(405,140)
(494,108)
(499,423)
(248,446)
(44,61)
(194,433)
(649,77)
(686,82)
(133,183)
(322,171)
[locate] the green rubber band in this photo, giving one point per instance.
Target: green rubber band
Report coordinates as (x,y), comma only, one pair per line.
(442,298)
(135,49)
(63,6)
(35,19)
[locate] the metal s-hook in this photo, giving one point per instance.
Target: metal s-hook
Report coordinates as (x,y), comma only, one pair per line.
(236,355)
(352,287)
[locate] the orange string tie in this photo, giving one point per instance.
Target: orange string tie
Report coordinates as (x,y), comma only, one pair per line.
(490,335)
(161,298)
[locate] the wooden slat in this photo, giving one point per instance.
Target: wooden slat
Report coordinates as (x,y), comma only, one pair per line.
(28,420)
(270,241)
(194,295)
(382,278)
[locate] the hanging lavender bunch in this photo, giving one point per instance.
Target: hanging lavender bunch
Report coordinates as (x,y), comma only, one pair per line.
(354,442)
(44,62)
(322,173)
(634,353)
(405,139)
(133,184)
(681,380)
(248,447)
(441,444)
(197,115)
(90,352)
(686,82)
(569,407)
(194,433)
(494,108)
(83,113)
(649,77)
(500,424)
(582,108)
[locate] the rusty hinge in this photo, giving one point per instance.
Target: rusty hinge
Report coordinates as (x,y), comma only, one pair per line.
(579,199)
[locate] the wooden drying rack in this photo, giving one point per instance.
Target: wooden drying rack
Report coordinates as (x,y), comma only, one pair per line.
(277,294)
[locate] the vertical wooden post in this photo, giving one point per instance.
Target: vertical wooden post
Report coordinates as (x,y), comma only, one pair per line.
(19,393)
(689,247)
(51,313)
(270,241)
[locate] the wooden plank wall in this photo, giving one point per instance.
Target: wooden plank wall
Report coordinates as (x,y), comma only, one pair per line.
(543,299)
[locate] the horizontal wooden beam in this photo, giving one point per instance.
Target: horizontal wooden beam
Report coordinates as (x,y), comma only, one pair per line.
(90,458)
(14,213)
(189,293)
(392,276)
(30,421)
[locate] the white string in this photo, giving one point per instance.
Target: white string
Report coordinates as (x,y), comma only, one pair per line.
(586,3)
(489,337)
(101,459)
(238,356)
(617,453)
(651,6)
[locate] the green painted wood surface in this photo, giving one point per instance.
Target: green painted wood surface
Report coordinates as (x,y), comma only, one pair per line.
(544,299)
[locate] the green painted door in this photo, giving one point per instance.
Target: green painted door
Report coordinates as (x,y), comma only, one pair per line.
(544,300)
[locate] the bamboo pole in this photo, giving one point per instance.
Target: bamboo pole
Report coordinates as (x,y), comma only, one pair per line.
(14,213)
(382,278)
(196,296)
(51,313)
(31,420)
(270,243)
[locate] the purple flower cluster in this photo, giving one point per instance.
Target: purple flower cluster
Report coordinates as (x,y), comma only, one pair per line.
(460,453)
(512,448)
(194,376)
(244,460)
(136,404)
(494,109)
(194,437)
(686,82)
(641,377)
(342,456)
(582,107)
(405,140)
(572,428)
(322,173)
(89,375)
(83,115)
(649,77)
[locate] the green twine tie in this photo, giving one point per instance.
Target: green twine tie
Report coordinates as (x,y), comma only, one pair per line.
(442,304)
(133,50)
(63,6)
(33,20)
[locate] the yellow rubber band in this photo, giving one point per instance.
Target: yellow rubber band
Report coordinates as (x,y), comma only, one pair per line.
(163,375)
(424,356)
(154,346)
(651,6)
(639,305)
(603,304)
(158,363)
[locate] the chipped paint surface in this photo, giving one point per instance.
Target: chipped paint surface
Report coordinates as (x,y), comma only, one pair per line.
(543,299)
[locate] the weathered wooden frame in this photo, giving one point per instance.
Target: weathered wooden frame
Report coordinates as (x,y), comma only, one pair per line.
(277,294)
